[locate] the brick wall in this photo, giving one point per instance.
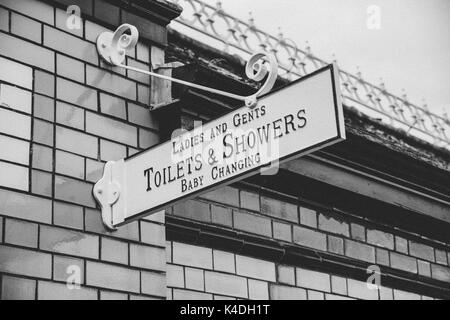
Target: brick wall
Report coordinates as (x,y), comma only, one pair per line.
(289,221)
(63,114)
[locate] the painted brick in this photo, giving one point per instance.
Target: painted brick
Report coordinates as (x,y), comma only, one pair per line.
(440,272)
(421,251)
(403,295)
(94,170)
(401,245)
(21,149)
(380,238)
(16,73)
(424,268)
(224,261)
(4,20)
(18,288)
(143,94)
(93,30)
(86,6)
(158,217)
(386,293)
(75,191)
(67,215)
(280,292)
(225,195)
(137,76)
(112,151)
(179,294)
(69,242)
(27,52)
(25,262)
(70,115)
(42,157)
(279,209)
(258,290)
(143,52)
(15,124)
(147,138)
(310,238)
(26,27)
(252,223)
(32,8)
(64,267)
(225,284)
(359,251)
(61,23)
(282,231)
(24,206)
(403,262)
(141,116)
(43,132)
(152,233)
(1,229)
(70,45)
(112,277)
(110,295)
(338,285)
(175,276)
(168,251)
(21,233)
(76,142)
(255,268)
(286,274)
(221,215)
(44,107)
(153,284)
(111,129)
(193,209)
(77,94)
(250,200)
(113,106)
(70,68)
(114,251)
(359,289)
(58,291)
(335,245)
(382,256)
(15,98)
(41,183)
(194,256)
(358,232)
(69,164)
(333,225)
(315,295)
(194,279)
(441,256)
(13,176)
(44,83)
(313,280)
(147,257)
(110,82)
(93,223)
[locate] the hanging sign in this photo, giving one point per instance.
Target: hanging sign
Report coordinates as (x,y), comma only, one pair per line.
(302,117)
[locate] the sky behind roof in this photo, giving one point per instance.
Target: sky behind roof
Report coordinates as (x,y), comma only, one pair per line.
(410,50)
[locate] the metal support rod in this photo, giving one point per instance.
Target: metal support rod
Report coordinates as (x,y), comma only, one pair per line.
(112,48)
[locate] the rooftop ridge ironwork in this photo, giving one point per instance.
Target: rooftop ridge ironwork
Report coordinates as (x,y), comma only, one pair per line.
(245,38)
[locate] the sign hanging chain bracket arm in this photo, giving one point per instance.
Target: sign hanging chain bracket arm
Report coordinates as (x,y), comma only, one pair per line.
(112,48)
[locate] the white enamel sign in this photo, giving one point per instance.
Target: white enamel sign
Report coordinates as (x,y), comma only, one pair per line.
(297,119)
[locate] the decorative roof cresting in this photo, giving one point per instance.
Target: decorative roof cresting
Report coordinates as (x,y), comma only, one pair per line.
(211,24)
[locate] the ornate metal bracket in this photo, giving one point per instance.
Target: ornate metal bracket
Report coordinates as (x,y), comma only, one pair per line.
(112,48)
